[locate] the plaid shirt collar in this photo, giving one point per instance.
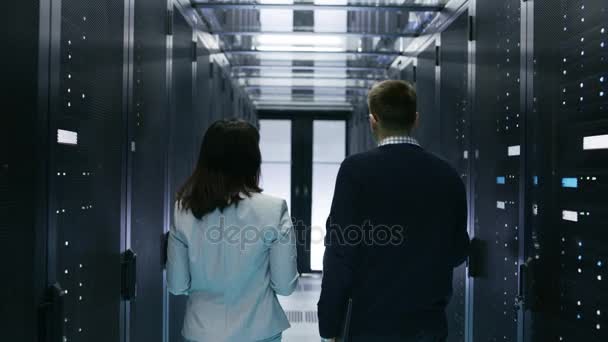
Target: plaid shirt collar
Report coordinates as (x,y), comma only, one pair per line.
(398,139)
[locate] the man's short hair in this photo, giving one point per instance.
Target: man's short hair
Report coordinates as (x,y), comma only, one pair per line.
(394,102)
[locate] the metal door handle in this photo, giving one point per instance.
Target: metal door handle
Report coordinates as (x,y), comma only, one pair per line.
(129,275)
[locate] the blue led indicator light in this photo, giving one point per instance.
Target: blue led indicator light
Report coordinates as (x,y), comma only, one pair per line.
(535,180)
(570,182)
(500,180)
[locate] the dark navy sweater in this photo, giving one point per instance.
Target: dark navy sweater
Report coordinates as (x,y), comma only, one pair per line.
(396,230)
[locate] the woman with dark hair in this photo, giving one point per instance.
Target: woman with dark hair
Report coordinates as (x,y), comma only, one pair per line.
(231,248)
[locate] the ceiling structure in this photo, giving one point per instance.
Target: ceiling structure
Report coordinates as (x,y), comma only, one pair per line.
(315,54)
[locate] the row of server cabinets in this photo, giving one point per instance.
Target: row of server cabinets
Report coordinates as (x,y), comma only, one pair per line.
(109,103)
(513,95)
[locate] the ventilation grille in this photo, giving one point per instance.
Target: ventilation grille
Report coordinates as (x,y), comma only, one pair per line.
(311,317)
(298,317)
(294,316)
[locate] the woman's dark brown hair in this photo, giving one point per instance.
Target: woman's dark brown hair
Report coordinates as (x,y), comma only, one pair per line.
(228,167)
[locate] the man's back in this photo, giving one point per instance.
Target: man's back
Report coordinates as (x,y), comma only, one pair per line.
(402,284)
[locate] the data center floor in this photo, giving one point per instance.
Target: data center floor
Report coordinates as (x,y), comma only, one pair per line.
(301,309)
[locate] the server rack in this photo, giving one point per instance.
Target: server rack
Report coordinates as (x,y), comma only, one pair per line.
(87,197)
(552,192)
(566,100)
(497,143)
(88,150)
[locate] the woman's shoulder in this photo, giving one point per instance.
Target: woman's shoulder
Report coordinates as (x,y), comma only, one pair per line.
(264,209)
(266,200)
(263,203)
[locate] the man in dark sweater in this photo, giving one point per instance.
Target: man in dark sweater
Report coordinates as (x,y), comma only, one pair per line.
(396,230)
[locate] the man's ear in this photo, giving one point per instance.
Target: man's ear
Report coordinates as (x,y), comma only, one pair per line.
(373,120)
(416,121)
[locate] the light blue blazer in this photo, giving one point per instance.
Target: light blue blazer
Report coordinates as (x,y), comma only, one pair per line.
(232,264)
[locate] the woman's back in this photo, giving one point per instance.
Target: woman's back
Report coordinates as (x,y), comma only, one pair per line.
(231,264)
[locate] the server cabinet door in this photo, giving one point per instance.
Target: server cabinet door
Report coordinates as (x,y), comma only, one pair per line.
(87,169)
(183,149)
(497,143)
(148,151)
(455,140)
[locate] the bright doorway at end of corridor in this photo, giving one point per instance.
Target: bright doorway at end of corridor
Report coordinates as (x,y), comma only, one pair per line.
(301,156)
